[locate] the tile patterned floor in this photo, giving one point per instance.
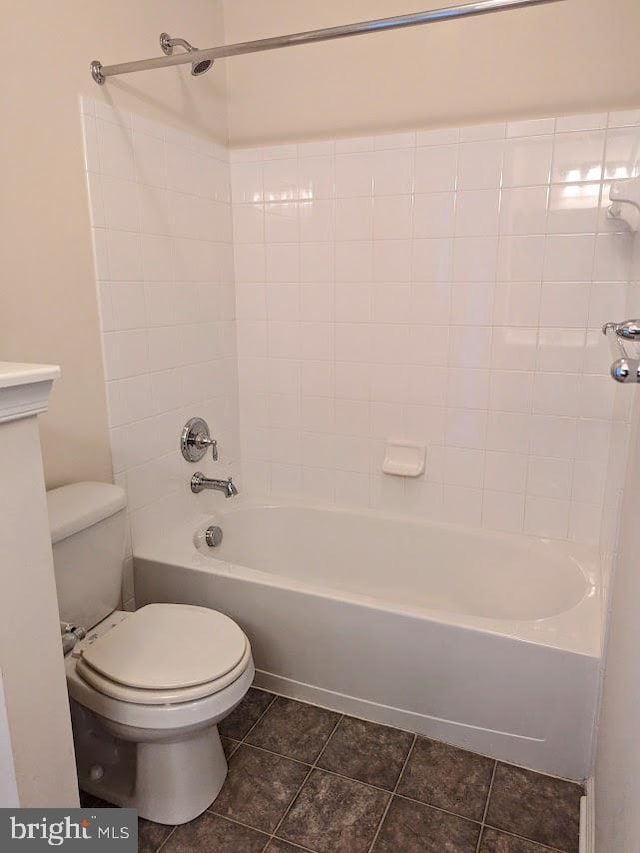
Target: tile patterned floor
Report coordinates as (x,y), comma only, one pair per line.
(302,778)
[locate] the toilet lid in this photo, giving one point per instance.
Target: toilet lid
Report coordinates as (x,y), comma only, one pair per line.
(139,696)
(168,647)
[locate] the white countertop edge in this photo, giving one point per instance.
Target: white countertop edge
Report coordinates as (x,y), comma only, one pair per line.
(13,374)
(25,389)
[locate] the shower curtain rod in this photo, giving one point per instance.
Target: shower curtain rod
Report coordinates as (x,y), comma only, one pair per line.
(194,56)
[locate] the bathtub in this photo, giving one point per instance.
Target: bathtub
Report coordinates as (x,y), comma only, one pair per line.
(488,641)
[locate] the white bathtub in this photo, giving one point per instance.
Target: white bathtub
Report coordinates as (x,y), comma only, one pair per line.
(489,641)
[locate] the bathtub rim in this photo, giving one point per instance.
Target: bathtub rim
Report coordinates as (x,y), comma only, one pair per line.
(577,630)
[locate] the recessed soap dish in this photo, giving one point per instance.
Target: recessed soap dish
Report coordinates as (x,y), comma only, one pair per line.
(404,458)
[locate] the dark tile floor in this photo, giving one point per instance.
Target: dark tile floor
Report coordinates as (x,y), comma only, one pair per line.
(304,778)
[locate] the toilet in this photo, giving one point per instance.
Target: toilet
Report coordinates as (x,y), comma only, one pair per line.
(147,689)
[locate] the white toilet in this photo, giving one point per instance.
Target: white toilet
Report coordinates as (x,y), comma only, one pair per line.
(147,688)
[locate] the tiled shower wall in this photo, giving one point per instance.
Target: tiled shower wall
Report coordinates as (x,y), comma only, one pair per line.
(161,215)
(445,287)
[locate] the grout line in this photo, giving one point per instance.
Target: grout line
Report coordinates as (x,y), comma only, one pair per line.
(393,793)
(480,823)
(304,781)
(248,732)
(486,806)
(360,782)
(232,820)
(235,820)
(158,849)
(524,838)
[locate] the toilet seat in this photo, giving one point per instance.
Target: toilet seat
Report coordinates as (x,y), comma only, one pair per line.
(140,696)
(165,654)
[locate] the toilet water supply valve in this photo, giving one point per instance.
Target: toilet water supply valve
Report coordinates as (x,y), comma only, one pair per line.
(70,635)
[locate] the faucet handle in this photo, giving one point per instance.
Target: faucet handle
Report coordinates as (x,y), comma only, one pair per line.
(204,441)
(195,439)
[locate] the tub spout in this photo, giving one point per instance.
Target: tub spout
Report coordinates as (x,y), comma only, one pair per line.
(199,482)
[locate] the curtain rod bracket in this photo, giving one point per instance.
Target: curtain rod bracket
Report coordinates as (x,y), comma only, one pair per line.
(96,72)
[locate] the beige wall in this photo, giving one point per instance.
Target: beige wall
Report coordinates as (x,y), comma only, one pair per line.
(48,307)
(577,56)
(617,773)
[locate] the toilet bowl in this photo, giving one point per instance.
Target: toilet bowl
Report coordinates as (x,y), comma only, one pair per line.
(138,703)
(147,688)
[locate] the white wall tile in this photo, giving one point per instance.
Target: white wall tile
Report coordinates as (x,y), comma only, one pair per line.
(508,432)
(527,162)
(431,276)
(502,511)
(127,305)
(613,257)
(574,208)
(462,506)
(317,221)
(521,258)
(475,258)
(354,218)
(553,436)
(91,144)
(545,517)
(431,260)
(125,353)
(564,304)
(569,258)
(149,157)
(516,304)
(523,210)
(561,350)
(387,286)
(505,472)
(578,157)
(436,169)
(354,174)
(354,261)
(392,217)
(392,260)
(433,214)
(549,478)
(151,287)
(477,213)
(513,348)
(393,171)
(116,150)
(317,175)
(463,467)
(281,180)
(480,165)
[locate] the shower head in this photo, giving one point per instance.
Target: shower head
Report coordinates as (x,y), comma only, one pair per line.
(167,44)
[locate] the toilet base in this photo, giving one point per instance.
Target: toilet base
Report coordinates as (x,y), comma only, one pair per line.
(167,781)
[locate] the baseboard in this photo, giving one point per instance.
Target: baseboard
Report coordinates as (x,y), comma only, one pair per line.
(588,819)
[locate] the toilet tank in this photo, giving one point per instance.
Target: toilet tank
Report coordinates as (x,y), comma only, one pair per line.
(88,535)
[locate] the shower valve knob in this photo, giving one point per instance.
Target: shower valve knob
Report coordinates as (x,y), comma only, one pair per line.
(196,439)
